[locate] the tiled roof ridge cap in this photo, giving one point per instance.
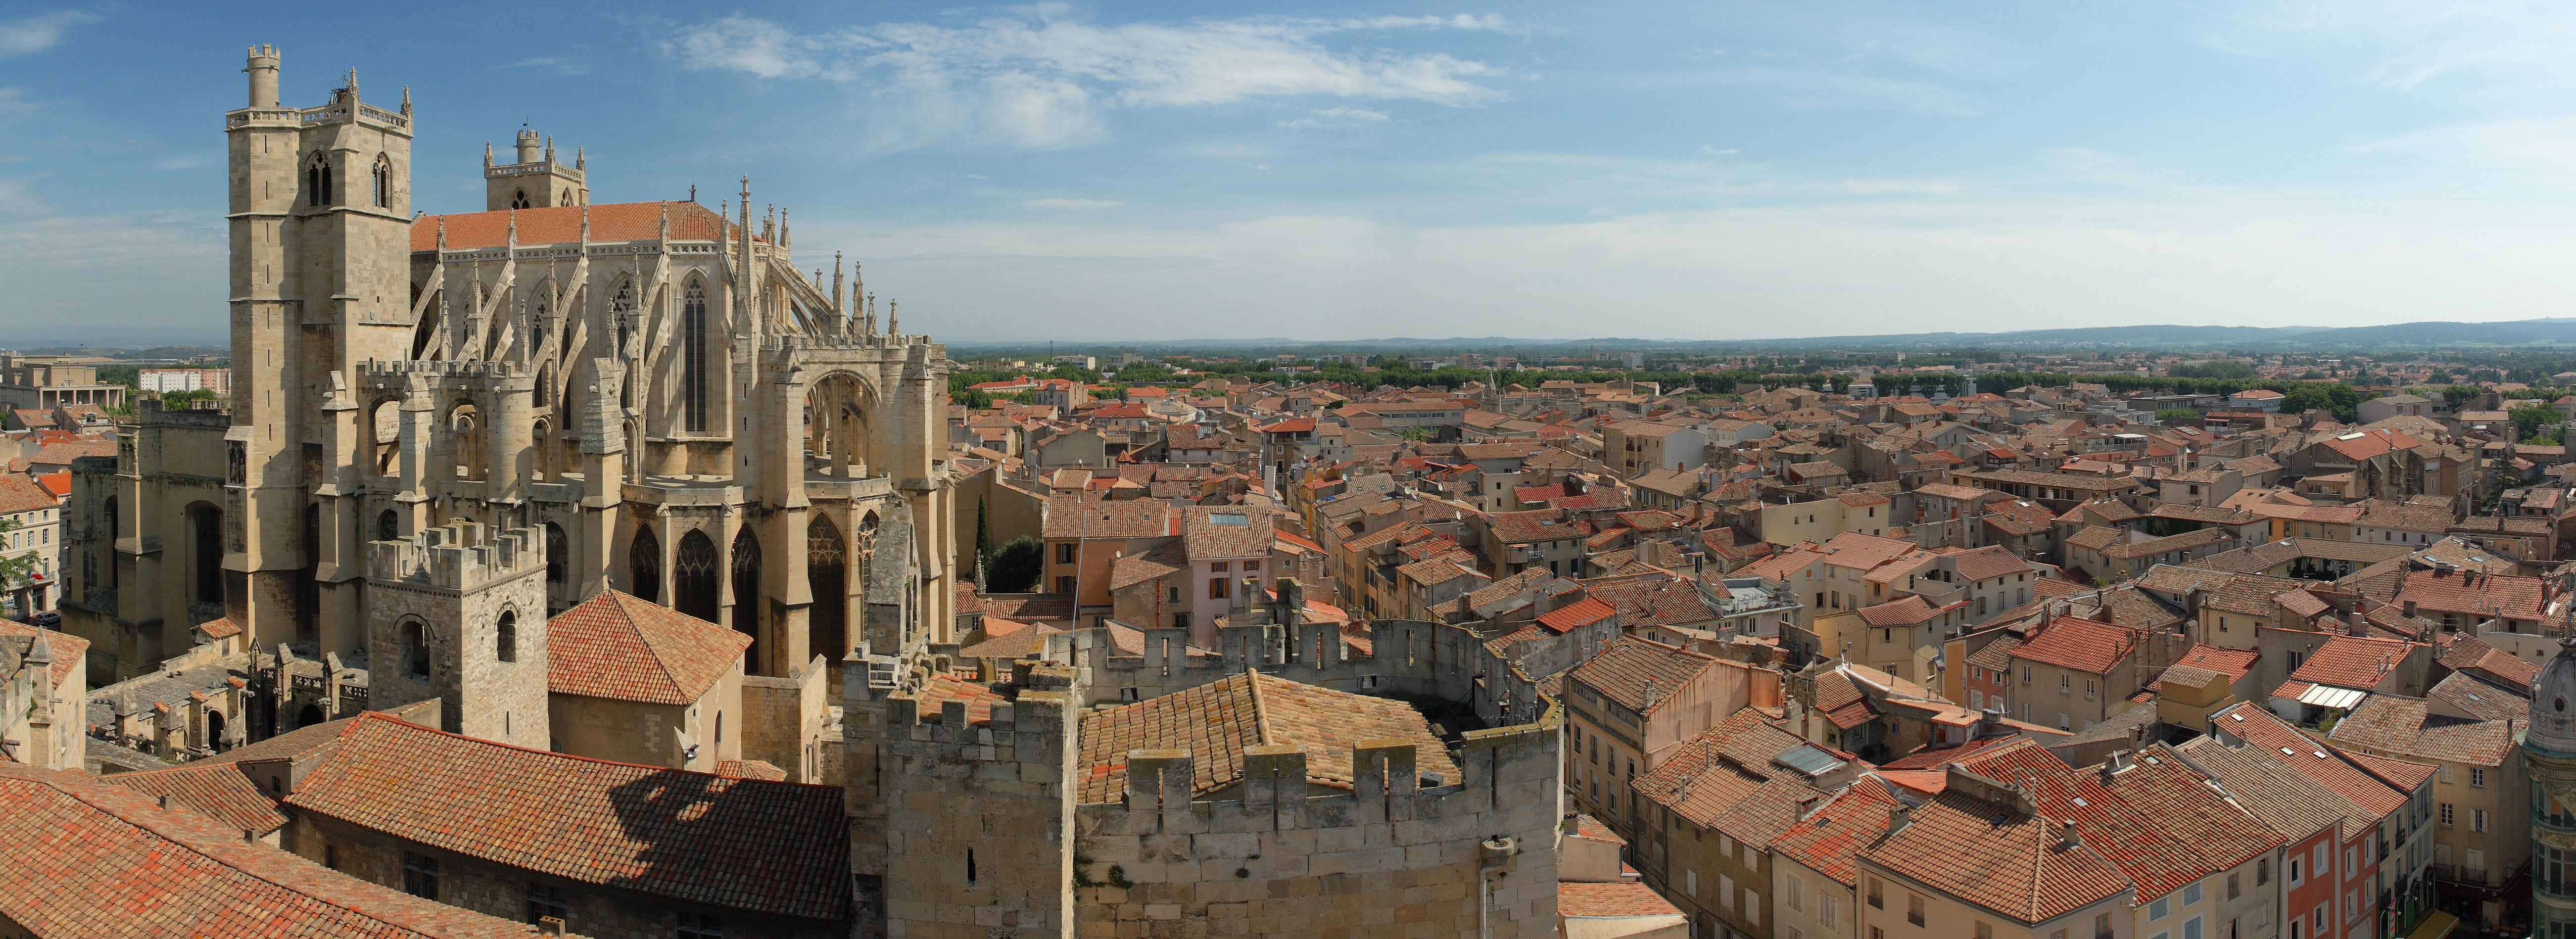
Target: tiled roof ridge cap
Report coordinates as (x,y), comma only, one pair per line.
(363,717)
(214,850)
(1260,711)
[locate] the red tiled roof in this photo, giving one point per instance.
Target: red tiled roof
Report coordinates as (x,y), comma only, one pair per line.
(623,648)
(750,769)
(1827,840)
(2080,644)
(615,221)
(1215,721)
(2353,662)
(221,792)
(1583,900)
(1623,670)
(23,494)
(1576,615)
(696,837)
(91,859)
(220,628)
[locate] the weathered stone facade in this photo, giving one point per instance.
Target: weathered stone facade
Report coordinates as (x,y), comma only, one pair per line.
(459,613)
(654,389)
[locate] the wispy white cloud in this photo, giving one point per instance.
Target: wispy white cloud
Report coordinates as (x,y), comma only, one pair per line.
(1052,203)
(39,33)
(557,65)
(1818,87)
(1336,117)
(1045,78)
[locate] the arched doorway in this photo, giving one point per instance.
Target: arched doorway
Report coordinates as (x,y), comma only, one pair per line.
(558,551)
(693,577)
(826,574)
(746,596)
(644,566)
(215,730)
(465,427)
(308,716)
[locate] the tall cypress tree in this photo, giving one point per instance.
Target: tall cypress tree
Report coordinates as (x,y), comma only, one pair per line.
(983,529)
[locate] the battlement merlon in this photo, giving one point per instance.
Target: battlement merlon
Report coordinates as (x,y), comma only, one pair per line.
(461,556)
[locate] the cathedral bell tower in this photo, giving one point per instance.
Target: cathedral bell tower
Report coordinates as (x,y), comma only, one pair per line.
(536,181)
(320,211)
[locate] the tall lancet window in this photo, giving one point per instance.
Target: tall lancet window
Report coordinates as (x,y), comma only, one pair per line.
(519,199)
(384,180)
(693,357)
(317,180)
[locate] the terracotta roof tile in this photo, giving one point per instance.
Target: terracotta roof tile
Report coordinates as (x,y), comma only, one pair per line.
(1217,720)
(1624,669)
(1576,615)
(1582,900)
(623,648)
(2080,644)
(616,221)
(91,859)
(695,837)
(221,792)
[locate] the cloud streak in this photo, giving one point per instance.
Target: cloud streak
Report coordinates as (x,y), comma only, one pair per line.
(1044,79)
(39,33)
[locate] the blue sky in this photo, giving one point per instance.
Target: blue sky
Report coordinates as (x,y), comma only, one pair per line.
(1695,170)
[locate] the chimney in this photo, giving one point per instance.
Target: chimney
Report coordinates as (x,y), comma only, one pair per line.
(1899,816)
(2114,764)
(1651,695)
(2360,627)
(2066,836)
(2409,609)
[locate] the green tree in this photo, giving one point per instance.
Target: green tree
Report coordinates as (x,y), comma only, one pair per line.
(979,400)
(2170,415)
(1015,568)
(2457,395)
(983,529)
(1842,383)
(2530,418)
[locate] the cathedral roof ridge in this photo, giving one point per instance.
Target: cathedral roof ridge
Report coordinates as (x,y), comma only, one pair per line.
(562,224)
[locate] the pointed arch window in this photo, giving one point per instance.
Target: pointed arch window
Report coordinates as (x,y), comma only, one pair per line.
(505,637)
(693,357)
(558,550)
(827,573)
(644,566)
(519,199)
(383,178)
(317,180)
(746,595)
(694,570)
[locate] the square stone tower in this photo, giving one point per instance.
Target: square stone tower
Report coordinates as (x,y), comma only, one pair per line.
(459,612)
(320,209)
(536,181)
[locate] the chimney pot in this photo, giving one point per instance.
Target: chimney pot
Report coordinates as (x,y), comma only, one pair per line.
(2066,835)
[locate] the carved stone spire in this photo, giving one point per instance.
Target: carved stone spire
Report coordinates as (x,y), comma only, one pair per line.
(487,154)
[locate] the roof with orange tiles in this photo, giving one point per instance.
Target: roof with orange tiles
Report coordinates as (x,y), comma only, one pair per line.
(695,837)
(1576,615)
(2401,775)
(1832,834)
(2367,442)
(2158,820)
(2263,781)
(1223,533)
(2353,662)
(2397,724)
(1906,611)
(1144,566)
(59,483)
(1028,607)
(1989,562)
(1535,525)
(1068,516)
(1215,721)
(1614,900)
(1624,670)
(66,650)
(932,700)
(62,454)
(750,769)
(1590,829)
(2481,595)
(1996,857)
(2300,752)
(220,627)
(20,493)
(1725,779)
(2084,645)
(623,648)
(1651,600)
(1856,550)
(2231,662)
(221,792)
(1005,639)
(615,221)
(1932,757)
(92,859)
(2469,654)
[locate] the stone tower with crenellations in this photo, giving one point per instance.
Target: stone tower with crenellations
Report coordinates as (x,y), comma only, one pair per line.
(458,613)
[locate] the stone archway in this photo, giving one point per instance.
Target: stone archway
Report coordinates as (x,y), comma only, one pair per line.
(644,565)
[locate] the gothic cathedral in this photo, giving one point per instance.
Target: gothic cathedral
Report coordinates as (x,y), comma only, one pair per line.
(429,409)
